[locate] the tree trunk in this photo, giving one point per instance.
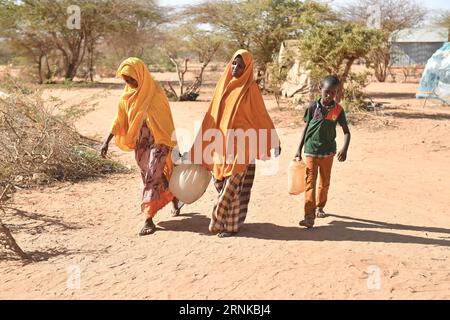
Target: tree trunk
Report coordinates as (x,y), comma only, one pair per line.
(381,60)
(48,75)
(181,76)
(91,53)
(381,66)
(91,66)
(348,66)
(73,65)
(202,69)
(381,72)
(77,52)
(41,80)
(70,71)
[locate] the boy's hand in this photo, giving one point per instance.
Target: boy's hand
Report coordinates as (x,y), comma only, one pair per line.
(342,155)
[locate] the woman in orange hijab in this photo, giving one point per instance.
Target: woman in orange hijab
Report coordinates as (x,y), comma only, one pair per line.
(144,123)
(243,131)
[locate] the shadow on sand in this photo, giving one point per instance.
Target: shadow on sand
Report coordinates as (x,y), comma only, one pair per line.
(341,228)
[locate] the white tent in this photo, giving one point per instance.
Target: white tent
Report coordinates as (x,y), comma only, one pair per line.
(435,82)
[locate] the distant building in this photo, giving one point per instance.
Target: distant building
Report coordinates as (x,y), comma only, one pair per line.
(416,46)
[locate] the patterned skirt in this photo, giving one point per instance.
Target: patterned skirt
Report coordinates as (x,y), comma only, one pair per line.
(231,208)
(151,159)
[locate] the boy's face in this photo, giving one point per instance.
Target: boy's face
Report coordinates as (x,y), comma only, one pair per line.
(328,92)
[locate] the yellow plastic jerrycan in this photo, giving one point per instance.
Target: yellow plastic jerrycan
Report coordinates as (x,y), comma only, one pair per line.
(296,177)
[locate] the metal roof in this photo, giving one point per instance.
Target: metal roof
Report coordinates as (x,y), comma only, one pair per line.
(420,35)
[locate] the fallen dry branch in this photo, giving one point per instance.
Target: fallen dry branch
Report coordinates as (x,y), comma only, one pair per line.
(8,240)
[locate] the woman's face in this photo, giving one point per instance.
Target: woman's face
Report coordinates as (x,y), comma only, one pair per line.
(130,81)
(237,67)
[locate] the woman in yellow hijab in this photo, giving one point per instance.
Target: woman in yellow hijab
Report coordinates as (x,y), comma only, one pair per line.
(144,123)
(236,117)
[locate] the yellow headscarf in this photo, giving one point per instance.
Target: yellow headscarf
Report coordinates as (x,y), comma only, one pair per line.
(237,103)
(147,102)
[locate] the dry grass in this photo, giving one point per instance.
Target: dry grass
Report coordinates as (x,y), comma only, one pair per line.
(39,145)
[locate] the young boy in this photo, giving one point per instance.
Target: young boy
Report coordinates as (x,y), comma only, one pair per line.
(320,147)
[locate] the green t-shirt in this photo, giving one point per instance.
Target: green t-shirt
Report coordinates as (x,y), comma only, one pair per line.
(320,137)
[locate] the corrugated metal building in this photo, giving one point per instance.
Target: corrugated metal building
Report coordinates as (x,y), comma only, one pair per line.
(416,46)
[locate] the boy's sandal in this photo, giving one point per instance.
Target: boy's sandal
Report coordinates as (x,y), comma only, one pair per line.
(306,223)
(321,214)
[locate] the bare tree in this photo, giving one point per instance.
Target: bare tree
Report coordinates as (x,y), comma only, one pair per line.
(185,43)
(443,20)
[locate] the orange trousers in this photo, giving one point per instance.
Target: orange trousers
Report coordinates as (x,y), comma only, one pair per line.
(313,167)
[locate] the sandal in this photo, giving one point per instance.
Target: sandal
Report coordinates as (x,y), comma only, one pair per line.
(178,204)
(226,234)
(307,222)
(149,228)
(320,213)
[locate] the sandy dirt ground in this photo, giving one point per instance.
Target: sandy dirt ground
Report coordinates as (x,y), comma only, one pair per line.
(387,236)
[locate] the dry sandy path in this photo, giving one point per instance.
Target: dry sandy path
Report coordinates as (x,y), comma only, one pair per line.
(390,221)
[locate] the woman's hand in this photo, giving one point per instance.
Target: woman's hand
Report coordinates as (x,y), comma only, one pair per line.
(278,151)
(104,149)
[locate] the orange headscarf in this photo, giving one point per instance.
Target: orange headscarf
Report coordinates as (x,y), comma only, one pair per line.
(147,102)
(237,103)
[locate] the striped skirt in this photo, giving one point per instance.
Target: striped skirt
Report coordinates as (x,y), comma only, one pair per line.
(231,208)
